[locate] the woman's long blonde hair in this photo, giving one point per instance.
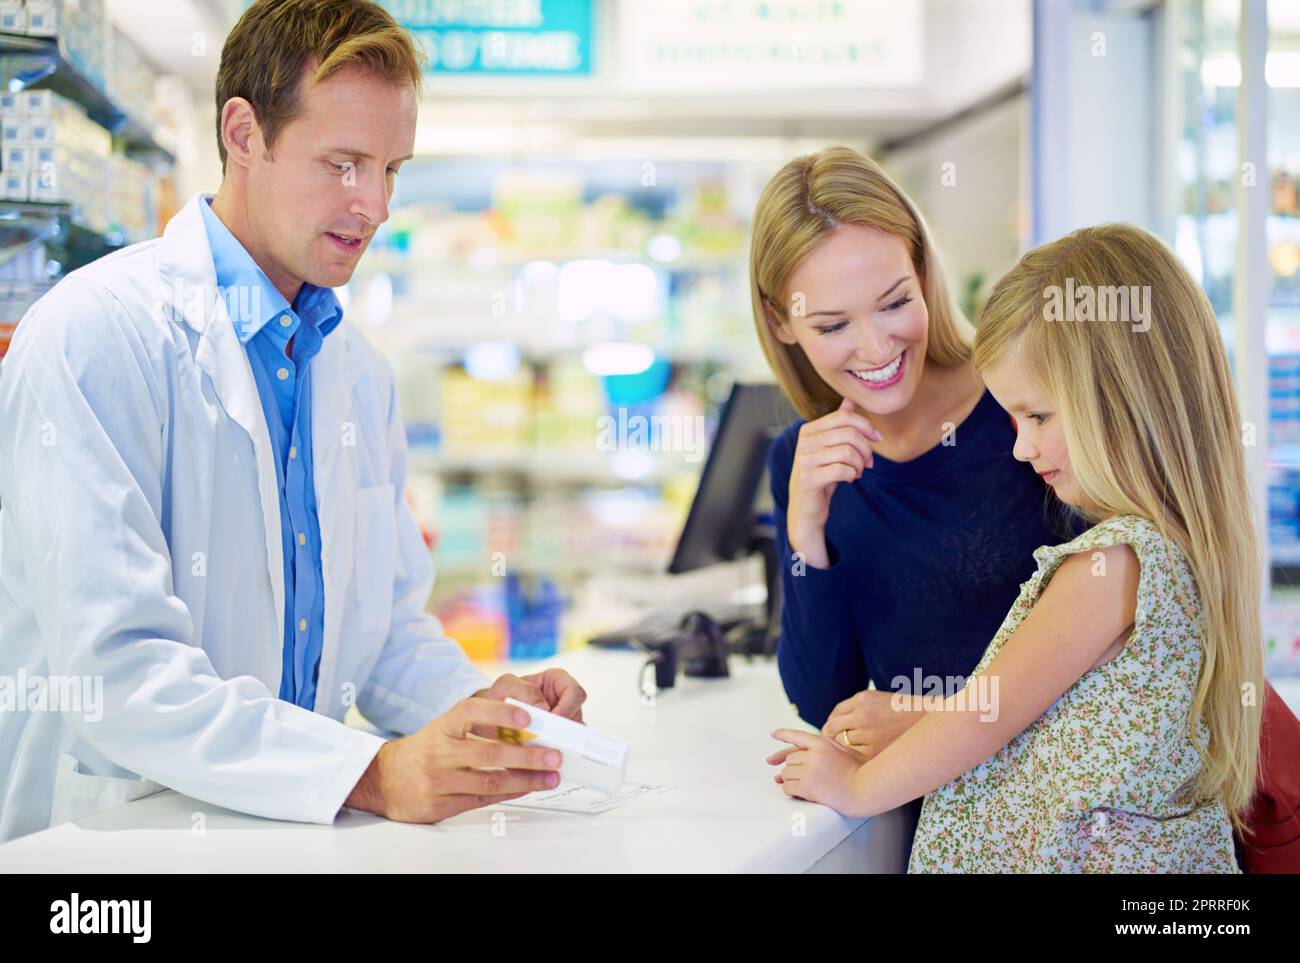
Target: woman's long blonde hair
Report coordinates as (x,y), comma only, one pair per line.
(798,210)
(1153,429)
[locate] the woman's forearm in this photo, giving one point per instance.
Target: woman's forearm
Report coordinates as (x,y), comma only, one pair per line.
(811,547)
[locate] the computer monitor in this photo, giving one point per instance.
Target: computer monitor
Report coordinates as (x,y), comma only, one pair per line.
(732,489)
(729,518)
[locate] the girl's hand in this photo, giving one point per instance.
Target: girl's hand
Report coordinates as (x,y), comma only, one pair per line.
(871,720)
(818,770)
(835,448)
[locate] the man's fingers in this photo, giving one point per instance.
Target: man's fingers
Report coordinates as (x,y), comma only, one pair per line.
(494,800)
(454,805)
(497,782)
(561,691)
(485,754)
(570,704)
(522,689)
(483,711)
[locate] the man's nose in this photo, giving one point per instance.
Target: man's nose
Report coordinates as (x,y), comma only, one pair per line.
(371,199)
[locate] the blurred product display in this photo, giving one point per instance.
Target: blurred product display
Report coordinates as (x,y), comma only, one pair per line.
(561,287)
(82,166)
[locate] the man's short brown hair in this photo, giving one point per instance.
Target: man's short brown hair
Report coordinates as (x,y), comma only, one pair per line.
(264,57)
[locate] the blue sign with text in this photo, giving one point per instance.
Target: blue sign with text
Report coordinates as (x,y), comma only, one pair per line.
(506,37)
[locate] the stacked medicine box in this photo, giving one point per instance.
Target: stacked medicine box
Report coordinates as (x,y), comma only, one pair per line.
(51,151)
(79,25)
(101,53)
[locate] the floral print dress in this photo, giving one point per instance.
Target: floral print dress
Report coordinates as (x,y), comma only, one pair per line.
(1093,785)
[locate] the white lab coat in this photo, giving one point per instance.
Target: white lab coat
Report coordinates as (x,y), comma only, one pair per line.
(140,544)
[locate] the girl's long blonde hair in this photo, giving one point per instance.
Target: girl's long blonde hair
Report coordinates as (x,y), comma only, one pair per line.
(798,210)
(1153,430)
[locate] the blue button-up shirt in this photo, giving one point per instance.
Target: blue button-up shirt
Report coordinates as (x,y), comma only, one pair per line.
(266,324)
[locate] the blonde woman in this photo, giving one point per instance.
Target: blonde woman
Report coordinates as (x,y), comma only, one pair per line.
(904,524)
(1124,736)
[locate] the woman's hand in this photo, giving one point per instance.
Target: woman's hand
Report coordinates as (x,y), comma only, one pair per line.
(871,720)
(835,448)
(819,770)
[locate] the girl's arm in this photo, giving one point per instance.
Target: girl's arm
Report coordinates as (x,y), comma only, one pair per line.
(1079,616)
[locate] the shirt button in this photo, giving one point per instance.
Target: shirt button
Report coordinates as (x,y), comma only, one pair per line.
(285,321)
(302,539)
(293,451)
(302,625)
(282,374)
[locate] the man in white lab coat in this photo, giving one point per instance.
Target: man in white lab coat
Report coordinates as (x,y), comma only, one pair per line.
(182,605)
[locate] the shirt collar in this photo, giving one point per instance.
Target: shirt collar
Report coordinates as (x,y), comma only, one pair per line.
(236,270)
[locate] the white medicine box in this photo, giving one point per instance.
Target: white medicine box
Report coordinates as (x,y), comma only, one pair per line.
(13,186)
(13,17)
(36,101)
(17,159)
(42,18)
(14,131)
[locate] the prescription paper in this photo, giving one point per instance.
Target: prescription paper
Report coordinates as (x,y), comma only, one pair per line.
(569,797)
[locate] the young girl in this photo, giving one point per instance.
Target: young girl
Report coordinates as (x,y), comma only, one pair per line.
(1112,724)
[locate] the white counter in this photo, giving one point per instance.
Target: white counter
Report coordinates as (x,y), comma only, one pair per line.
(707,737)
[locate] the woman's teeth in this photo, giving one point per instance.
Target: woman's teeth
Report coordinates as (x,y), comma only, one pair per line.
(877,375)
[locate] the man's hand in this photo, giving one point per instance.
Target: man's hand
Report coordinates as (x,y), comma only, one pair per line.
(444,770)
(553,690)
(561,691)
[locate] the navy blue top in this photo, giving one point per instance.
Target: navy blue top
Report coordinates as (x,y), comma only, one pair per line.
(927,557)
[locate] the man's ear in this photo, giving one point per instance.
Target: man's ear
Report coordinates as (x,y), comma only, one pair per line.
(239,130)
(779,326)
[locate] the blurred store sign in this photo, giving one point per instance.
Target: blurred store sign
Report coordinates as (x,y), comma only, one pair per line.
(506,37)
(748,44)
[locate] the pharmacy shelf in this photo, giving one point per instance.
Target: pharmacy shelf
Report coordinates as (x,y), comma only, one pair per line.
(23,223)
(614,468)
(37,63)
(453,352)
(71,244)
(394,263)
